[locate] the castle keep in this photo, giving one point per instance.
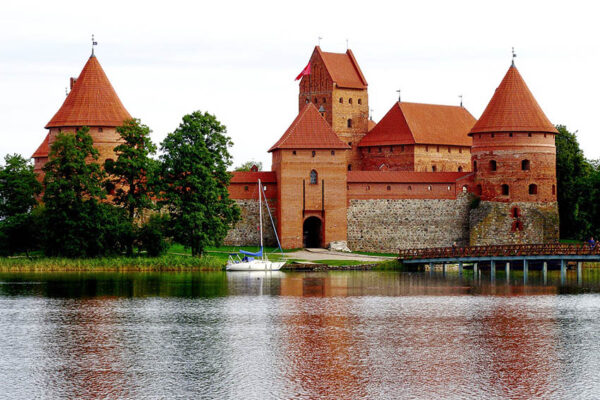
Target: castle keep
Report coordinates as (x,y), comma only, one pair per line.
(424,176)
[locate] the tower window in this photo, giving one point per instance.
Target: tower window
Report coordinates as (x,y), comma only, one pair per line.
(389,187)
(474,166)
(391,149)
(533,189)
(341,100)
(505,190)
(349,122)
(350,100)
(427,148)
(493,135)
(449,149)
(246,188)
(510,134)
(409,187)
(380,149)
(493,165)
(460,169)
(313,177)
(294,152)
(429,187)
(460,150)
(433,168)
(437,149)
(368,187)
(99,129)
(349,167)
(516,213)
(529,134)
(359,101)
(314,153)
(333,152)
(553,190)
(402,149)
(525,165)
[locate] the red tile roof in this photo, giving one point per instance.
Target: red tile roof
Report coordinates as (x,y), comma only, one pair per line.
(513,108)
(309,131)
(43,150)
(344,69)
(370,125)
(92,101)
(404,177)
(415,123)
(253,177)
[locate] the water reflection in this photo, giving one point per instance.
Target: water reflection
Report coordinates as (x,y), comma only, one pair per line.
(260,335)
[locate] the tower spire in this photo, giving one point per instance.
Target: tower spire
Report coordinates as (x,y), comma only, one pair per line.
(398,95)
(94,43)
(514,55)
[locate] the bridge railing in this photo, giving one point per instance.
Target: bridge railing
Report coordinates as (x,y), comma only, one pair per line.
(499,251)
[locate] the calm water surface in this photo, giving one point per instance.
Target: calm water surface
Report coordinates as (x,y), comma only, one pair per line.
(338,335)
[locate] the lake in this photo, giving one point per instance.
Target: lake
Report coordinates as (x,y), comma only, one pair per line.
(330,335)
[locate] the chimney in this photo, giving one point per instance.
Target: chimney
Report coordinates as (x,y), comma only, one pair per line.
(72,82)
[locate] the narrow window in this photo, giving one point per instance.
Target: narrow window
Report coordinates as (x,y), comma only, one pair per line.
(402,149)
(391,149)
(368,149)
(246,188)
(480,136)
(433,168)
(380,149)
(529,134)
(429,187)
(525,165)
(510,134)
(533,189)
(313,177)
(505,190)
(493,135)
(294,152)
(553,190)
(99,129)
(333,152)
(341,100)
(493,165)
(389,187)
(474,166)
(460,150)
(449,149)
(427,148)
(459,169)
(350,100)
(409,187)
(448,187)
(314,153)
(359,101)
(59,130)
(437,149)
(368,187)
(349,123)
(545,135)
(349,167)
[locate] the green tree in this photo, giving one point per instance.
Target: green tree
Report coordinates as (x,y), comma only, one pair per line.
(572,173)
(130,173)
(247,166)
(194,172)
(18,190)
(76,224)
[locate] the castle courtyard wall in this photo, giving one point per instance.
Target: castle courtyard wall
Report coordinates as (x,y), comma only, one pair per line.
(246,232)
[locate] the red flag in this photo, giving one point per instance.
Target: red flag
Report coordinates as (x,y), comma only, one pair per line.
(305,71)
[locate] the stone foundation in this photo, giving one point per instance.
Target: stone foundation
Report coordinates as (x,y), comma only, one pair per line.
(246,232)
(493,223)
(390,225)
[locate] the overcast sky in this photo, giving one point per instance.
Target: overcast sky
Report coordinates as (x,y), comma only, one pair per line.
(238,60)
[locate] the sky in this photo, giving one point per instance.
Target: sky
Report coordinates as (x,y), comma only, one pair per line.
(238,59)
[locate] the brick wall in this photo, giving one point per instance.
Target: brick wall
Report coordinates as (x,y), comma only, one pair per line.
(497,223)
(388,225)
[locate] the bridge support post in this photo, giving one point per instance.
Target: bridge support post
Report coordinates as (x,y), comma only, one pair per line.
(475,271)
(430,269)
(563,271)
(460,268)
(444,269)
(579,272)
(525,270)
(493,270)
(507,271)
(545,272)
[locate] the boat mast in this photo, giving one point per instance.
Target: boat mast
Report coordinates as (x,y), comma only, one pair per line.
(260,213)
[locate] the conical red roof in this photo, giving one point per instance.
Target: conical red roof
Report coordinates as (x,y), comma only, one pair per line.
(42,151)
(513,108)
(309,131)
(92,101)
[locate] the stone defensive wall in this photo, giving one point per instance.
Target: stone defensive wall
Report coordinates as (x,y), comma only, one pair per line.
(494,223)
(243,188)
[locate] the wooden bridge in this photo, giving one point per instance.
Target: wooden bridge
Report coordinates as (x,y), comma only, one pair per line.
(520,254)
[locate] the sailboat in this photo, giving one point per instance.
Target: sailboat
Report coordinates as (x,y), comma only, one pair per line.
(256,261)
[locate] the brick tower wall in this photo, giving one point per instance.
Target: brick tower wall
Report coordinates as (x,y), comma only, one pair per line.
(420,158)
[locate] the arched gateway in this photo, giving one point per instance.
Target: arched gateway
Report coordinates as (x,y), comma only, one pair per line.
(312,232)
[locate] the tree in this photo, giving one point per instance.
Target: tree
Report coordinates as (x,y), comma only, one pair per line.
(76,224)
(572,172)
(195,180)
(18,191)
(130,174)
(247,166)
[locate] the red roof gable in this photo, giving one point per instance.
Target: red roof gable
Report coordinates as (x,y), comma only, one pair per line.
(513,108)
(343,68)
(43,150)
(253,177)
(91,102)
(415,123)
(404,177)
(309,131)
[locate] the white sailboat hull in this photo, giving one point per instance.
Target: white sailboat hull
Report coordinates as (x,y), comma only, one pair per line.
(255,265)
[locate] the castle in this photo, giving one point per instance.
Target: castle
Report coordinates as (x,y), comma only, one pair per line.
(424,176)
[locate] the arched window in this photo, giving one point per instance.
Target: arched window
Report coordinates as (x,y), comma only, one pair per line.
(341,100)
(349,167)
(459,169)
(313,177)
(349,122)
(433,168)
(359,101)
(525,165)
(533,188)
(333,152)
(493,165)
(516,213)
(505,190)
(350,100)
(314,153)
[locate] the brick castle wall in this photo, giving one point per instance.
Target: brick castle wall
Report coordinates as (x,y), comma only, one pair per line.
(494,223)
(388,225)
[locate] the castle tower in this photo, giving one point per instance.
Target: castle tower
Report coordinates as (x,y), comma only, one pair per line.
(309,161)
(514,161)
(337,86)
(92,102)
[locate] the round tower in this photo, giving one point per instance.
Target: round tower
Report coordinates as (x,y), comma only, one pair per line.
(514,163)
(92,102)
